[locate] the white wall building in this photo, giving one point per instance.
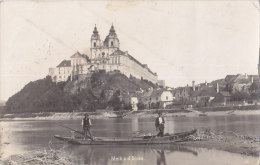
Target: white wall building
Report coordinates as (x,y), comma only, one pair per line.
(106,55)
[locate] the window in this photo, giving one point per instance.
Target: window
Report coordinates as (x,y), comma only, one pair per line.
(95,44)
(166,97)
(112,44)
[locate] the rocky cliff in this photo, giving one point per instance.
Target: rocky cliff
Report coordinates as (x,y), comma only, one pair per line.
(95,91)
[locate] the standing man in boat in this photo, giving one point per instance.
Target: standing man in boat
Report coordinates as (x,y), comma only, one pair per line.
(86,124)
(159,124)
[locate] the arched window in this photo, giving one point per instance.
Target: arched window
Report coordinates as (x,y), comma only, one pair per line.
(95,44)
(112,43)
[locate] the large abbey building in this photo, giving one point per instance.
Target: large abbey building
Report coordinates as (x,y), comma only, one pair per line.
(104,55)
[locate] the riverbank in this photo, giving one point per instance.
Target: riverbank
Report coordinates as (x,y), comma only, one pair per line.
(226,141)
(123,114)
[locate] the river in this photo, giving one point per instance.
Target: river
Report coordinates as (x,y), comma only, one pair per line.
(20,136)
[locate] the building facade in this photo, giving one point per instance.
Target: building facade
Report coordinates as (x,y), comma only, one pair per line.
(106,55)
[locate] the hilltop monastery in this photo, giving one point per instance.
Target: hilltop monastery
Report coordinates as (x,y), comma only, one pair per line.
(104,55)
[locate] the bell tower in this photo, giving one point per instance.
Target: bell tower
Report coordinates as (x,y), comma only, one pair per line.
(111,40)
(95,43)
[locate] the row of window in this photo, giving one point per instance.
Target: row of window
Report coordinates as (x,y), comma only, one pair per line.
(157,98)
(77,62)
(64,72)
(111,44)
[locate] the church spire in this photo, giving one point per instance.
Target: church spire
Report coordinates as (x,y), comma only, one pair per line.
(95,30)
(95,35)
(112,29)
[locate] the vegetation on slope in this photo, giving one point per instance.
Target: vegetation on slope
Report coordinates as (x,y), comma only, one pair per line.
(99,91)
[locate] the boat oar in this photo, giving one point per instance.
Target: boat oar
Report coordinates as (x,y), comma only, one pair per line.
(77,132)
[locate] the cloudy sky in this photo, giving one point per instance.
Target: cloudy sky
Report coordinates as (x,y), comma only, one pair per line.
(180,40)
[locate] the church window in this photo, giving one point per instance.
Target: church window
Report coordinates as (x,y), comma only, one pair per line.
(112,43)
(112,60)
(115,60)
(166,97)
(118,60)
(95,44)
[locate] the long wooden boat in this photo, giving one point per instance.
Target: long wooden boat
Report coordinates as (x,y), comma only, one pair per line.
(142,140)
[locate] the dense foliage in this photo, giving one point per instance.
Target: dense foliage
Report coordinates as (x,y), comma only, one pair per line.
(100,91)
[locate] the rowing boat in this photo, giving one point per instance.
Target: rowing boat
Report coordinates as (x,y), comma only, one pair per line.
(142,140)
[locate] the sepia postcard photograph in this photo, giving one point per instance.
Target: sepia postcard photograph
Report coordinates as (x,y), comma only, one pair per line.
(129,82)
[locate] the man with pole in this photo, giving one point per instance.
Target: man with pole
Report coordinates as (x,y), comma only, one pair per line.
(86,125)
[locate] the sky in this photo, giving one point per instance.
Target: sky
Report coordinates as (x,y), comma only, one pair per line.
(180,40)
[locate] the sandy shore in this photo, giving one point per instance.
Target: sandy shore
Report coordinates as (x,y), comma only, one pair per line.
(225,141)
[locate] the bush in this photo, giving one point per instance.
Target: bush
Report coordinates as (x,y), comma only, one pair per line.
(141,106)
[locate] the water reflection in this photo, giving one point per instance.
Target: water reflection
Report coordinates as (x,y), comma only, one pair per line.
(124,155)
(161,158)
(22,136)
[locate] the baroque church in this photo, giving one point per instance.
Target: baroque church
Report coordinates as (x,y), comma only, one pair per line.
(104,55)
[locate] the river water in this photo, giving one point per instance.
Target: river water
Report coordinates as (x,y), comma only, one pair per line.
(18,137)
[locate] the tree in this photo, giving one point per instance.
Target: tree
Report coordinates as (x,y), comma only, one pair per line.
(240,96)
(140,106)
(115,101)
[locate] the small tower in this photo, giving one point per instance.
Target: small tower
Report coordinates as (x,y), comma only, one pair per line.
(111,40)
(217,88)
(95,42)
(193,85)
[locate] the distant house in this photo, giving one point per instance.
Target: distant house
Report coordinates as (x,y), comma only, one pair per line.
(182,93)
(239,82)
(131,99)
(159,98)
(222,97)
(204,96)
(254,88)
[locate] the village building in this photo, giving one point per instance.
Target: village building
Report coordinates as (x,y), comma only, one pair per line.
(238,83)
(130,99)
(182,93)
(104,55)
(62,72)
(158,98)
(222,97)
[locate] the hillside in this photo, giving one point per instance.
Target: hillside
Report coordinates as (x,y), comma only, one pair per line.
(95,91)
